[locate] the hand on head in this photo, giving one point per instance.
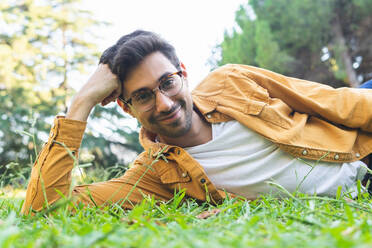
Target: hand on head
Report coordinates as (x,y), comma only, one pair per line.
(102,87)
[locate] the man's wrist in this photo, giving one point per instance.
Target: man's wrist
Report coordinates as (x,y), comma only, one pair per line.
(80,109)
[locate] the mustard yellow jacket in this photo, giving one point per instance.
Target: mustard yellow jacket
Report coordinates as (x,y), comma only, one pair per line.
(305,119)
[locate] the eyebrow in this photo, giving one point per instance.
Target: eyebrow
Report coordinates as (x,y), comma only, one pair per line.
(165,74)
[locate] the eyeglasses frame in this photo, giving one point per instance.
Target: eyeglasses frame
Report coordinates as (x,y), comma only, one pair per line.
(179,73)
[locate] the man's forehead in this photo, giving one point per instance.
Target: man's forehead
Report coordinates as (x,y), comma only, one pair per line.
(148,72)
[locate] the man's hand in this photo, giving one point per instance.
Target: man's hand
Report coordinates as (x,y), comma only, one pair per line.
(102,87)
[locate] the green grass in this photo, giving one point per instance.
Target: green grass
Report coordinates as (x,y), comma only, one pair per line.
(295,221)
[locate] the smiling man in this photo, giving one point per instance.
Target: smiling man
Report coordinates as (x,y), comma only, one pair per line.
(240,128)
(157,95)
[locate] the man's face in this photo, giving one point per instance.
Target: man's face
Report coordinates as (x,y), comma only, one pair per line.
(171,116)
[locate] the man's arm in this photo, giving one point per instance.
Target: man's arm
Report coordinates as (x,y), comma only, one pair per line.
(51,173)
(346,106)
(102,87)
(52,168)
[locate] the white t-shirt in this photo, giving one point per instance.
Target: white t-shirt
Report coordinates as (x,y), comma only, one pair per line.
(241,162)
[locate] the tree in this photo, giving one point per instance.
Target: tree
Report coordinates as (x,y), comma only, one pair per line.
(321,40)
(42,44)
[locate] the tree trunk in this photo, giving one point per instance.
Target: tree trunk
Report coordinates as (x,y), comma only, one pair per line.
(345,56)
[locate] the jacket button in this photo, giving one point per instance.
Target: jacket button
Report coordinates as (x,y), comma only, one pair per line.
(357,155)
(178,151)
(304,152)
(184,175)
(337,156)
(202,180)
(209,116)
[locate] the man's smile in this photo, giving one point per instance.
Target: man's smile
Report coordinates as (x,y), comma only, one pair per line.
(171,117)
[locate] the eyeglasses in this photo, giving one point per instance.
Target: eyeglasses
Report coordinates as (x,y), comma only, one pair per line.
(144,99)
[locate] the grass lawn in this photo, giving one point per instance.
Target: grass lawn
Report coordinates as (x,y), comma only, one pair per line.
(294,221)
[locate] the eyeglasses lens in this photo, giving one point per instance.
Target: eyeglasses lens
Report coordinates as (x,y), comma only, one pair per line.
(169,86)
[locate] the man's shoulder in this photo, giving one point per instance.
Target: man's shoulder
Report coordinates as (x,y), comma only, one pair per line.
(237,68)
(226,69)
(214,81)
(221,73)
(220,78)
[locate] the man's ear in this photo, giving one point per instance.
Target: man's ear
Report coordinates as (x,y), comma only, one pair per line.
(124,107)
(183,67)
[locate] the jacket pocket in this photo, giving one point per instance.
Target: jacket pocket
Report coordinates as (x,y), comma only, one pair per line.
(243,104)
(169,172)
(277,113)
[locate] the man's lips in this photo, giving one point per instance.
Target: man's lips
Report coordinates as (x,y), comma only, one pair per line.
(172,116)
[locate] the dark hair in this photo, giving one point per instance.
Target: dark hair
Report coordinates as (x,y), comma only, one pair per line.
(131,49)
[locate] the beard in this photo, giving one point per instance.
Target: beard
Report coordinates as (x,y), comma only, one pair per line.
(177,128)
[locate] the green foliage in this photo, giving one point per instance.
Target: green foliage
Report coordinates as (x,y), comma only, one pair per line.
(319,40)
(235,48)
(295,221)
(268,54)
(39,49)
(118,135)
(42,45)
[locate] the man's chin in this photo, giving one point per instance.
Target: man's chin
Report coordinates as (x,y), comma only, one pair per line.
(173,133)
(175,130)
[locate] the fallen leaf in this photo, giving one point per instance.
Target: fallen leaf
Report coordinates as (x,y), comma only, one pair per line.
(208,213)
(129,221)
(159,223)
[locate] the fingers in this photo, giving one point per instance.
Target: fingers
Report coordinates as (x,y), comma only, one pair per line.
(113,96)
(112,84)
(107,100)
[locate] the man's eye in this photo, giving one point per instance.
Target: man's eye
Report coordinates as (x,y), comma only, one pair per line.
(167,84)
(143,96)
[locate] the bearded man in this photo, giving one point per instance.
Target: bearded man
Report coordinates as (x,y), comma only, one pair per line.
(241,127)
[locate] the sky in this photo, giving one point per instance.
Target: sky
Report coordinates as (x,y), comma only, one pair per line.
(193,27)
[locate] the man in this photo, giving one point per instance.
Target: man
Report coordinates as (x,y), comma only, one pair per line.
(240,128)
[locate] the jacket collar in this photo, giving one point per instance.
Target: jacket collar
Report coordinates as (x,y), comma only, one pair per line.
(150,145)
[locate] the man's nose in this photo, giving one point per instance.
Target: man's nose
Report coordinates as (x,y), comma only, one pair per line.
(163,103)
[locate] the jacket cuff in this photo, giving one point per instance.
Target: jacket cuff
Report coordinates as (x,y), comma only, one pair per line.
(67,131)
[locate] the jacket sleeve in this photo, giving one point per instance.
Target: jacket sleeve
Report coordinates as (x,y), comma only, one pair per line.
(51,175)
(350,107)
(126,191)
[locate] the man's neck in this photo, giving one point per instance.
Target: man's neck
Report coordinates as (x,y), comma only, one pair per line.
(199,133)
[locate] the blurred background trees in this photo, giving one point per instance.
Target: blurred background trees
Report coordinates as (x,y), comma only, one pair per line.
(327,41)
(43,44)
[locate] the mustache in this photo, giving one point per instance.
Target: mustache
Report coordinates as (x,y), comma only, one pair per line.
(165,114)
